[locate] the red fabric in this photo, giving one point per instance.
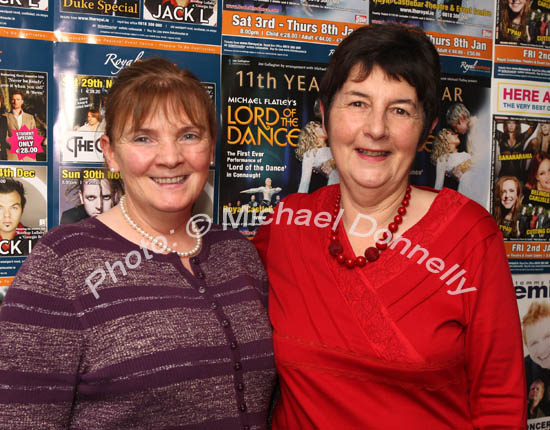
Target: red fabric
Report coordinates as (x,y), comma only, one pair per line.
(386,347)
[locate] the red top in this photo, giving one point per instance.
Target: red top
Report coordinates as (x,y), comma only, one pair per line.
(392,345)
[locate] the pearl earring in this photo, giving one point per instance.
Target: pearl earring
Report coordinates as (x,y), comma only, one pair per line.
(212,163)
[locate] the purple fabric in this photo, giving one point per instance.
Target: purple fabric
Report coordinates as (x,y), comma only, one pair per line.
(161,348)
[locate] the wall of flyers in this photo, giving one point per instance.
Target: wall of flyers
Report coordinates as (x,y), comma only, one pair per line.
(262,62)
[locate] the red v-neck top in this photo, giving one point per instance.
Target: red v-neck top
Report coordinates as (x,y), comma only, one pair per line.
(387,346)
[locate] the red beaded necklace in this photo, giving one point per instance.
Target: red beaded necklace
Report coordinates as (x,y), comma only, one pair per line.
(373,252)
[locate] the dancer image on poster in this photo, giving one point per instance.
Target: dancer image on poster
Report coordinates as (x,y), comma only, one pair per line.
(253,203)
(447,159)
(460,166)
(536,337)
(12,232)
(508,197)
(93,122)
(95,196)
(511,142)
(460,120)
(267,191)
(313,152)
(513,20)
(538,175)
(472,140)
(536,395)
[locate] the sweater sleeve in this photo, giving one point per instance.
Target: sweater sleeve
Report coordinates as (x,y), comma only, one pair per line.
(494,350)
(40,346)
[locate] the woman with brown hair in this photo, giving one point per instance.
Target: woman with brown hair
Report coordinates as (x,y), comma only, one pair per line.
(538,175)
(513,20)
(141,318)
(508,197)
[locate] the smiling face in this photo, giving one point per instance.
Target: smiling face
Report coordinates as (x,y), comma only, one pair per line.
(508,194)
(543,176)
(537,338)
(516,6)
(374,128)
(164,164)
(10,214)
(92,120)
(96,196)
(545,128)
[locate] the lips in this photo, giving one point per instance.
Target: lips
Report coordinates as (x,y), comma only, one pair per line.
(174,180)
(372,153)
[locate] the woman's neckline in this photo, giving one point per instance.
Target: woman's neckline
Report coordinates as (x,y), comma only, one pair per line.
(166,257)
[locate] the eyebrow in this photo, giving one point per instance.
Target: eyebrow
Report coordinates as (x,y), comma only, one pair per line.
(360,94)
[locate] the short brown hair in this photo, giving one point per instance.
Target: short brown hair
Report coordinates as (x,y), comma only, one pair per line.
(95,113)
(152,84)
(402,53)
(536,312)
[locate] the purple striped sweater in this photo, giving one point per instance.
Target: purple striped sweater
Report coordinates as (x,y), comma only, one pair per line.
(160,348)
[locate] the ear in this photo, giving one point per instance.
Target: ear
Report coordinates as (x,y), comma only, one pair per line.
(324,118)
(108,152)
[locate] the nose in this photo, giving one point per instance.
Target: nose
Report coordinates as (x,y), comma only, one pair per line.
(170,154)
(376,123)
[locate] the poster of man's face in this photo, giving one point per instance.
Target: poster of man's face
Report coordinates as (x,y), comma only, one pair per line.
(86,192)
(11,210)
(96,196)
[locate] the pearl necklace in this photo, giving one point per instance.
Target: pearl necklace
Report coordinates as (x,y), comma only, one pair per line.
(372,253)
(155,240)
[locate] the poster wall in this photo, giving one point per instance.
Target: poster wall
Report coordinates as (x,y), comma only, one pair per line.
(271,129)
(262,64)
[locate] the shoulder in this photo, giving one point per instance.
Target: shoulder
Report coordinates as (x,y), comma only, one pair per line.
(465,213)
(64,238)
(451,208)
(55,260)
(315,200)
(228,251)
(227,240)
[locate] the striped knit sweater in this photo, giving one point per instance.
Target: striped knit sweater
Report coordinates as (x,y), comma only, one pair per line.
(159,348)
